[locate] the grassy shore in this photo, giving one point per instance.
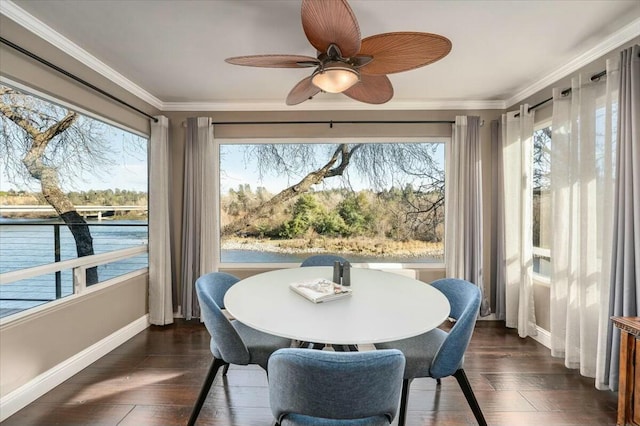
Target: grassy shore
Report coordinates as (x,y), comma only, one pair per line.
(359,246)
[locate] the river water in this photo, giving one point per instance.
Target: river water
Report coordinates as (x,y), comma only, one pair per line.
(26,243)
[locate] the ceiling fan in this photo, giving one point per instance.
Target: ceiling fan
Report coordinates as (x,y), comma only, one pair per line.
(345,63)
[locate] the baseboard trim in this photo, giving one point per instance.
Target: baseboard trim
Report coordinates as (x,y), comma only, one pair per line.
(51,378)
(543,337)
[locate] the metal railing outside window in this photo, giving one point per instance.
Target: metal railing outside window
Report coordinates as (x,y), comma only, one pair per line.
(39,264)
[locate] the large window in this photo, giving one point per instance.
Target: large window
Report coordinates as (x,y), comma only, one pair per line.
(71,186)
(370,201)
(541,201)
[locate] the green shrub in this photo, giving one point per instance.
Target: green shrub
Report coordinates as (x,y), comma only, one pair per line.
(329,224)
(356,213)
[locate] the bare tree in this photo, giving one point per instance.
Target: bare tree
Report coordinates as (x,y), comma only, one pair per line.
(382,164)
(289,160)
(541,180)
(542,158)
(49,143)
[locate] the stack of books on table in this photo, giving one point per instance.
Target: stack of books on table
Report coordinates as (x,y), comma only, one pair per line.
(320,290)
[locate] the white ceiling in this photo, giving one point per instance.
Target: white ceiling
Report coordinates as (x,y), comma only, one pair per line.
(171,53)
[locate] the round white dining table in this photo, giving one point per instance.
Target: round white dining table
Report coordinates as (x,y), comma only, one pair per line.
(383,307)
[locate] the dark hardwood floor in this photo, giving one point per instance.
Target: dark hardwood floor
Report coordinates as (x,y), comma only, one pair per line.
(154,378)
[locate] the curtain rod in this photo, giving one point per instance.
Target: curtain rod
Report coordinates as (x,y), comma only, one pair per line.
(74,77)
(565,92)
(332,122)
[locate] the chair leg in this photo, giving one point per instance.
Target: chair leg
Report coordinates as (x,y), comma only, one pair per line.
(404,399)
(461,377)
(225,368)
(204,391)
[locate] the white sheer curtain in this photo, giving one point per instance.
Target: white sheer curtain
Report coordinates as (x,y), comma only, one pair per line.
(463,205)
(516,267)
(198,217)
(160,283)
(582,170)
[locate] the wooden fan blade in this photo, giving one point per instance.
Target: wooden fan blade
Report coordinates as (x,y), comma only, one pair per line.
(402,51)
(372,89)
(302,91)
(274,61)
(327,22)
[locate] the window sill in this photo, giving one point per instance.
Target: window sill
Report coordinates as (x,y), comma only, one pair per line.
(270,266)
(541,280)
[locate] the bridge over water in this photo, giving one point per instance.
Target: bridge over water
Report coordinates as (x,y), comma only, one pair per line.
(85,211)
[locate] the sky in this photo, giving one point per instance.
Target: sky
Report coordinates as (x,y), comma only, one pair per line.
(128,171)
(126,152)
(237,170)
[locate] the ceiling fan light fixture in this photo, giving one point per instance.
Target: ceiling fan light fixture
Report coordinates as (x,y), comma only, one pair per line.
(335,78)
(346,63)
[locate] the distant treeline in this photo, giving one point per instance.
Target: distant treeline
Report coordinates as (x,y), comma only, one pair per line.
(400,214)
(109,197)
(106,197)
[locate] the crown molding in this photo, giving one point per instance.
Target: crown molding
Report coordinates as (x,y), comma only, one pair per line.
(317,105)
(39,28)
(20,16)
(616,39)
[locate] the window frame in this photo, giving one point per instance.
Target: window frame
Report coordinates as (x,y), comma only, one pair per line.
(227,266)
(80,264)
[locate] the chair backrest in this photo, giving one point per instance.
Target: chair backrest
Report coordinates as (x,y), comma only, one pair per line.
(322,260)
(226,343)
(335,385)
(464,298)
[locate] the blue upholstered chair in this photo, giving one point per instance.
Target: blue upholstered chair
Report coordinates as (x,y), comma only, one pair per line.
(438,354)
(326,388)
(231,341)
(322,260)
